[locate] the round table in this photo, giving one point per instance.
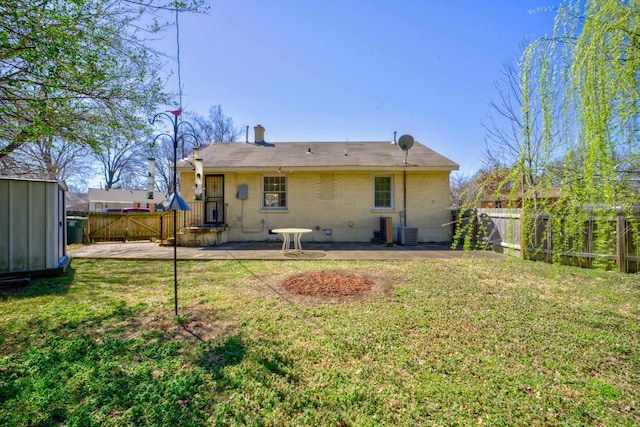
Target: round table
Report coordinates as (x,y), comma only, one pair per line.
(286,235)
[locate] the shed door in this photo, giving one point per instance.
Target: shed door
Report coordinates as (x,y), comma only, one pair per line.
(214,199)
(61,218)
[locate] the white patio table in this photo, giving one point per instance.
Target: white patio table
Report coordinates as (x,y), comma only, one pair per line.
(286,235)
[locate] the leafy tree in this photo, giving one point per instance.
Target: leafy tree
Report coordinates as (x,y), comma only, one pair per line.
(577,127)
(75,70)
(67,67)
(593,57)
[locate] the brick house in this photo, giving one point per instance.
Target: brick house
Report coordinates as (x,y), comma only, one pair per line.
(340,190)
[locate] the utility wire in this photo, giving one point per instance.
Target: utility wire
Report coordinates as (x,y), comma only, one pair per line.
(178,59)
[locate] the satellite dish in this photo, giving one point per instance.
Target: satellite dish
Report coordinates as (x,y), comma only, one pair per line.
(405,142)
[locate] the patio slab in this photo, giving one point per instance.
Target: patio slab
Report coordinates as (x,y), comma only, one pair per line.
(272,251)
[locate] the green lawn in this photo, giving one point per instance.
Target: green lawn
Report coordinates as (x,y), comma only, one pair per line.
(439,342)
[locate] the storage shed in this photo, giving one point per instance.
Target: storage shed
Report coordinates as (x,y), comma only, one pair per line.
(32,227)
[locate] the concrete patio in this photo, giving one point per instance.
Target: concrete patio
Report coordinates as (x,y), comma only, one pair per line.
(272,251)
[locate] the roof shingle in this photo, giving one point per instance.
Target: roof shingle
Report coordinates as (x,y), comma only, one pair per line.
(319,156)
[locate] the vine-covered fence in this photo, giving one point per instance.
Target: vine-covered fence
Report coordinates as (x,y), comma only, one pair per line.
(503,230)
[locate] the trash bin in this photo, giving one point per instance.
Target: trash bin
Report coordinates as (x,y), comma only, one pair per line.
(75,229)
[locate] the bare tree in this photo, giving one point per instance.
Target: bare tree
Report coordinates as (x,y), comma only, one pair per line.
(462,189)
(223,129)
(123,161)
(510,135)
(50,158)
(215,128)
(162,152)
(199,133)
(516,139)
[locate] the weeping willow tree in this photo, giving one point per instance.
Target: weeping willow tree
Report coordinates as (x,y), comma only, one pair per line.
(584,80)
(579,115)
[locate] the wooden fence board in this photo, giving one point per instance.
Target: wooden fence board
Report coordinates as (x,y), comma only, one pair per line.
(123,226)
(116,226)
(502,228)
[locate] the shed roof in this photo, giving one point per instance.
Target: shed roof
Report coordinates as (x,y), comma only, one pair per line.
(61,184)
(317,156)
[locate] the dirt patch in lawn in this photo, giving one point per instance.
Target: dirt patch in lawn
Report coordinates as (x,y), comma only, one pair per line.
(198,325)
(327,286)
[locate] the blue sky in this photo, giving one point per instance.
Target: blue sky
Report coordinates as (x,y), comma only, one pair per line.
(355,70)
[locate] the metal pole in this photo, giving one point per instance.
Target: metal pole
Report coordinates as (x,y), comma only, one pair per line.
(176,202)
(175,215)
(175,262)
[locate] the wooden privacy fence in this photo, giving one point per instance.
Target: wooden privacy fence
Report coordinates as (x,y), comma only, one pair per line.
(131,226)
(502,231)
(128,226)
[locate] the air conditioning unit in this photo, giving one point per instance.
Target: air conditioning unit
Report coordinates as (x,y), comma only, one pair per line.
(407,236)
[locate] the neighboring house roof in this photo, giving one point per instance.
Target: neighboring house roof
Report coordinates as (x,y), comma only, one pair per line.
(97,195)
(234,156)
(77,201)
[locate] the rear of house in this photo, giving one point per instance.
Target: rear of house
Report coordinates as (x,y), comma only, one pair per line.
(340,190)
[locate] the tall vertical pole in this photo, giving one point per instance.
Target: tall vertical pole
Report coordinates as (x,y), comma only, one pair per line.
(175,161)
(175,212)
(176,202)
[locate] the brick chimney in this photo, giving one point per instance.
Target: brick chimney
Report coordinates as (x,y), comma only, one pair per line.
(259,133)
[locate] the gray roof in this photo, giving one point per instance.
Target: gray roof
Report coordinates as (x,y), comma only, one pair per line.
(77,198)
(234,156)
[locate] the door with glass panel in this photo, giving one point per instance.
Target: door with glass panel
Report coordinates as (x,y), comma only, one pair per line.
(214,199)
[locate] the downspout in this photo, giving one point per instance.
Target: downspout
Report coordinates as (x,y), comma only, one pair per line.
(404,197)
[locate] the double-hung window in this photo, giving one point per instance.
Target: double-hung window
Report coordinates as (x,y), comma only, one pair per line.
(274,192)
(383,192)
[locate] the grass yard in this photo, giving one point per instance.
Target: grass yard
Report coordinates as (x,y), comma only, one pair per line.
(436,342)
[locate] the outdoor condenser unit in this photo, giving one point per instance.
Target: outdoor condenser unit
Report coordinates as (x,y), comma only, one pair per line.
(407,236)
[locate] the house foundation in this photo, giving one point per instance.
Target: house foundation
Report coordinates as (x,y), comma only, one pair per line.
(203,236)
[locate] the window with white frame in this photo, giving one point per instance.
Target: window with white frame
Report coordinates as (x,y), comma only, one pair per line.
(383,192)
(274,192)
